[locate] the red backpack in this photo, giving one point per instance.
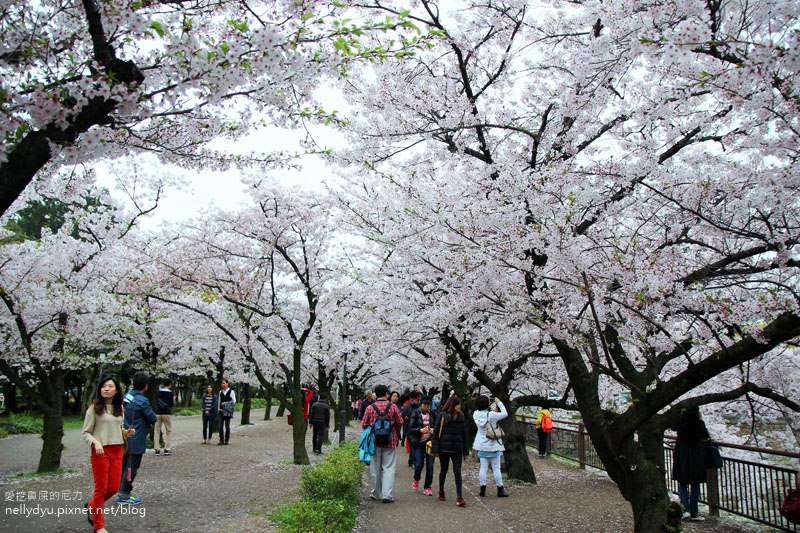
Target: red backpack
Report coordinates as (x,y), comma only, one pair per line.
(547,424)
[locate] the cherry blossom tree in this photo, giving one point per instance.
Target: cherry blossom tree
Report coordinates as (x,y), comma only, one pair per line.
(56,314)
(616,179)
(258,277)
(86,80)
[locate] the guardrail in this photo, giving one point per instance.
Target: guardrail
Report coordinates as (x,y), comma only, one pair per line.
(751,489)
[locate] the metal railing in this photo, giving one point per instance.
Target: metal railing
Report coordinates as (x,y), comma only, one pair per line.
(751,489)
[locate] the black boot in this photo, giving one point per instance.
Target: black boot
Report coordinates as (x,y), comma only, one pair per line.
(501,492)
(483,490)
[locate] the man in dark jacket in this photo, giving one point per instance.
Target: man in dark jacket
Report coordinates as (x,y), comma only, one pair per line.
(319,417)
(164,402)
(409,407)
(139,414)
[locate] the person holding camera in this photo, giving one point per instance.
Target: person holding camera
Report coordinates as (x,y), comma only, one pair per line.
(489,450)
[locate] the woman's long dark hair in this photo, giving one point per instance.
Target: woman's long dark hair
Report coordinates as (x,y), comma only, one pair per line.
(99,402)
(450,406)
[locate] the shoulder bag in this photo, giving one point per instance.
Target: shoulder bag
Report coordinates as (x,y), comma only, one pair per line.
(429,444)
(790,508)
(713,457)
(493,433)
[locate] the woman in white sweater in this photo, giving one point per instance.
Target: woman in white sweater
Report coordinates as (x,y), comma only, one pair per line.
(489,450)
(102,430)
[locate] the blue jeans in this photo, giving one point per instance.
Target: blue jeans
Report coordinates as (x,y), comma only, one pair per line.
(420,458)
(224,429)
(208,426)
(318,435)
(689,500)
(135,461)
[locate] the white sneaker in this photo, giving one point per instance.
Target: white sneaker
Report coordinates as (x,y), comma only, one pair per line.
(686,516)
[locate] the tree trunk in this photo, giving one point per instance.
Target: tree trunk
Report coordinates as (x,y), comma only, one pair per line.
(639,473)
(188,392)
(90,379)
(345,405)
(299,431)
(268,409)
(282,405)
(53,431)
(246,403)
(10,393)
(517,461)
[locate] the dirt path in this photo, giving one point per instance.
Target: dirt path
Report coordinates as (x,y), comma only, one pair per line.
(199,488)
(234,488)
(566,499)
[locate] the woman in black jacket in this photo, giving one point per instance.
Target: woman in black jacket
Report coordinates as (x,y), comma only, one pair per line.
(450,441)
(688,460)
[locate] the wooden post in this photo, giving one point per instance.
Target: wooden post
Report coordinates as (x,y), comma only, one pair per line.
(712,491)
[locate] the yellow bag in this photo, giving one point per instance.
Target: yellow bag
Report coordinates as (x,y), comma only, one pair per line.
(124,441)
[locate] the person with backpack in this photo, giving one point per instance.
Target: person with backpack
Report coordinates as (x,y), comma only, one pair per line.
(384,418)
(489,449)
(544,426)
(139,415)
(450,442)
(165,399)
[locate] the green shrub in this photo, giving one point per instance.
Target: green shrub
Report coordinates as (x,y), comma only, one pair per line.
(338,477)
(316,516)
(258,403)
(330,492)
(16,424)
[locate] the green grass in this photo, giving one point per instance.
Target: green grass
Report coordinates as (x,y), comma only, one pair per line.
(37,475)
(26,423)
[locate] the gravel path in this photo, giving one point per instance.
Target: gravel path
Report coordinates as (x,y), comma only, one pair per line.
(566,499)
(199,488)
(234,488)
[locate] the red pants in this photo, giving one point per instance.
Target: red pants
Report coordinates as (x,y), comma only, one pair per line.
(107,471)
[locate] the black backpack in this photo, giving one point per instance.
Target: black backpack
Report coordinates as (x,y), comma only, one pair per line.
(382,427)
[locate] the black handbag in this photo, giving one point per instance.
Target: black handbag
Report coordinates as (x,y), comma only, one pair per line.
(713,457)
(790,508)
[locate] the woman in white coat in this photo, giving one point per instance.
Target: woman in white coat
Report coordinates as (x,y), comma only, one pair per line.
(489,450)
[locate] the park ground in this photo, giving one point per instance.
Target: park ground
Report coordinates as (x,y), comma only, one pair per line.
(234,488)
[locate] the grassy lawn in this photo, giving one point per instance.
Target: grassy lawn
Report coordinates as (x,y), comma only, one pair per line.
(15,424)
